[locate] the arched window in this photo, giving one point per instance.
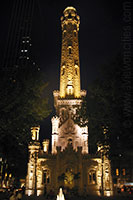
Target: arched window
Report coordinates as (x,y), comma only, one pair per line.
(74,33)
(64,33)
(69,90)
(76,69)
(63,70)
(69,49)
(92,177)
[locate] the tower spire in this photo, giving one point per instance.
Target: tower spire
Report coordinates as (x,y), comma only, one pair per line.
(70,66)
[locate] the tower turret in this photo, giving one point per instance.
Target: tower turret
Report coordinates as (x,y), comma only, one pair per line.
(45,145)
(70,66)
(34,147)
(35,133)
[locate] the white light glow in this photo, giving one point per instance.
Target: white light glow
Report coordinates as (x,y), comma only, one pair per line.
(108,193)
(60,196)
(29,192)
(38,192)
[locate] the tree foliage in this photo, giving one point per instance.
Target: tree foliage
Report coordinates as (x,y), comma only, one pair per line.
(23,104)
(103,107)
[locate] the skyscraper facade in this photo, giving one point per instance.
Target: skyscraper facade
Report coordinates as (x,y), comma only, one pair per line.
(17,48)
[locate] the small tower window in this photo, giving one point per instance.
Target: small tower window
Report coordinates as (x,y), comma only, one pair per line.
(63,70)
(69,90)
(64,33)
(76,69)
(74,33)
(70,50)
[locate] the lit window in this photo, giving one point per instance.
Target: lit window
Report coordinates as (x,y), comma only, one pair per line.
(123,172)
(63,70)
(69,90)
(69,48)
(117,172)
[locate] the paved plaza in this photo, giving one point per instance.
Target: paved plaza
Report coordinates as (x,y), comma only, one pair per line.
(118,197)
(121,197)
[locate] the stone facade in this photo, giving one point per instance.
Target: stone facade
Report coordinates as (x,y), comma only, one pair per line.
(69,164)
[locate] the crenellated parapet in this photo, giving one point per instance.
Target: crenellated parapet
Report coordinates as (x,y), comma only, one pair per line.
(70,15)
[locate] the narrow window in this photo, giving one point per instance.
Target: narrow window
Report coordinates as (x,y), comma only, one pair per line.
(48,179)
(63,70)
(76,69)
(123,172)
(64,33)
(44,177)
(117,172)
(70,50)
(94,177)
(89,178)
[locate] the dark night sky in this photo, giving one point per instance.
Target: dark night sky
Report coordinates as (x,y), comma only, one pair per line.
(99,36)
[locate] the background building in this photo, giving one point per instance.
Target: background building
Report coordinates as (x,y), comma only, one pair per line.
(18,45)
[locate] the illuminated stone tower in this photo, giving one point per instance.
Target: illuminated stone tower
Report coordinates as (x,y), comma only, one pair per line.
(69,98)
(70,66)
(69,156)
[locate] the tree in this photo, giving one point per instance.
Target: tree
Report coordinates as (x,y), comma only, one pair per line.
(103,107)
(23,104)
